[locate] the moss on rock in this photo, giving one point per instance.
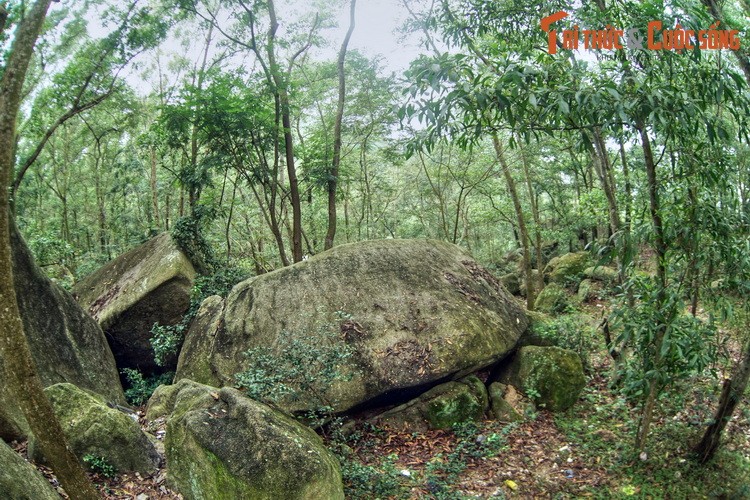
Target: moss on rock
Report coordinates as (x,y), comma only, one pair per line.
(606,275)
(442,406)
(149,284)
(417,311)
(512,282)
(223,445)
(552,376)
(567,268)
(501,409)
(93,428)
(19,480)
(588,290)
(553,299)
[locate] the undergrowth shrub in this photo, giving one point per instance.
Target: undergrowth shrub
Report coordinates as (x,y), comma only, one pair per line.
(166,340)
(141,388)
(571,331)
(303,363)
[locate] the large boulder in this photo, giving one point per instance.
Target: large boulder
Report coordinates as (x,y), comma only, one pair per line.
(19,480)
(441,407)
(567,268)
(66,344)
(91,427)
(501,402)
(551,376)
(552,299)
(149,284)
(606,275)
(412,312)
(588,289)
(223,445)
(512,283)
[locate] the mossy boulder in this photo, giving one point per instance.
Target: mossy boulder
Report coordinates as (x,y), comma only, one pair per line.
(223,445)
(195,361)
(567,268)
(604,274)
(553,299)
(416,312)
(502,410)
(93,428)
(588,289)
(512,283)
(19,480)
(441,407)
(149,284)
(65,343)
(551,376)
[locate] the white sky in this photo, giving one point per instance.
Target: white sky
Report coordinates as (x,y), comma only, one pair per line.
(375,34)
(376,21)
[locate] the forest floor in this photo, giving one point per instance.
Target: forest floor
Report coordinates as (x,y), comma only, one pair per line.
(586,451)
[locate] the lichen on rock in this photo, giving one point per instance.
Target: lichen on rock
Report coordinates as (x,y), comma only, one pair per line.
(417,312)
(91,427)
(223,445)
(551,376)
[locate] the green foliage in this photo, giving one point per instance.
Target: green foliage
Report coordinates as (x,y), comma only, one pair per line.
(166,340)
(552,299)
(570,331)
(306,363)
(368,481)
(687,348)
(99,465)
(187,232)
(442,472)
(50,250)
(141,388)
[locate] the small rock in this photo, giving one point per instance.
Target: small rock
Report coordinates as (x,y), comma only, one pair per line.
(569,473)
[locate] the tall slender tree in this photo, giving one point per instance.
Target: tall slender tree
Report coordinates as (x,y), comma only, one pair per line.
(19,366)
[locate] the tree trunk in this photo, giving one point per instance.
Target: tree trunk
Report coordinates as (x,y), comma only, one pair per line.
(603,168)
(334,175)
(154,191)
(524,236)
(20,374)
(281,84)
(661,276)
(535,215)
(731,395)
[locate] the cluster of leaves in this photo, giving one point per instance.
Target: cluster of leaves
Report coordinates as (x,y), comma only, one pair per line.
(570,331)
(687,348)
(303,363)
(141,388)
(368,481)
(99,465)
(166,340)
(187,232)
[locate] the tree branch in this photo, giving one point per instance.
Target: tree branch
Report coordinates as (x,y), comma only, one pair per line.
(76,110)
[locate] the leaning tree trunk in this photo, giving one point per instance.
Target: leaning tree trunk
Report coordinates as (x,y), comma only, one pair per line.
(524,236)
(20,374)
(736,386)
(731,395)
